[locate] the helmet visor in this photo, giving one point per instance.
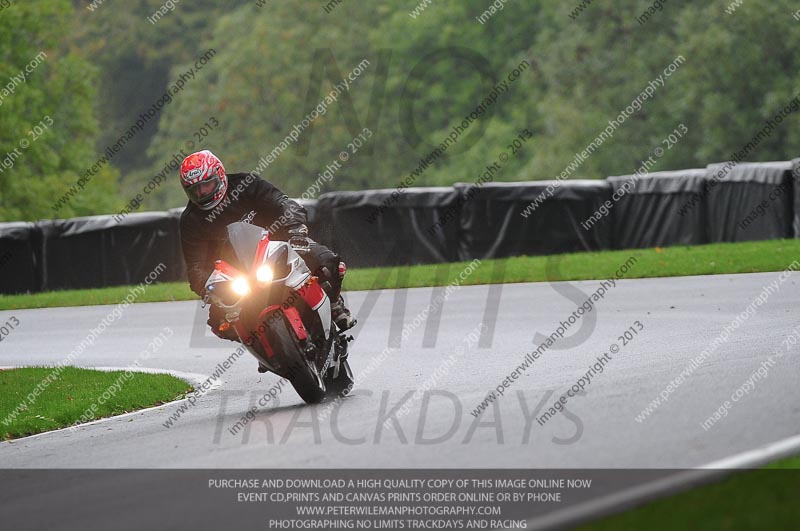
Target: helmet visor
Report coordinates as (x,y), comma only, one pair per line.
(203,193)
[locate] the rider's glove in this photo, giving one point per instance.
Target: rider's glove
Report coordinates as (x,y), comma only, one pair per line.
(299,240)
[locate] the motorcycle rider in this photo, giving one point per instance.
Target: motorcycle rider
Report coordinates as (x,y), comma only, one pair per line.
(217,199)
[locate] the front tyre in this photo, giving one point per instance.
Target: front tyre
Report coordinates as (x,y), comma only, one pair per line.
(303,375)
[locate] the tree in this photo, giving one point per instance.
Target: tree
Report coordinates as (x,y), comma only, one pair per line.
(277,63)
(425,73)
(57,89)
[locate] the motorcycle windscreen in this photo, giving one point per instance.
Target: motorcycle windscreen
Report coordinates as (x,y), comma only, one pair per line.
(244,238)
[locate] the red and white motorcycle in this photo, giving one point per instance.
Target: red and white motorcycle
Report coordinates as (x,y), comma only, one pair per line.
(280,313)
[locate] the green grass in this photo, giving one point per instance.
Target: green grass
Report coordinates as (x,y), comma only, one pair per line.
(714,259)
(75,392)
(764,499)
(169,291)
(792,463)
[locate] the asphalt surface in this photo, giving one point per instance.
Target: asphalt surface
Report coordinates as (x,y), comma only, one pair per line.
(679,316)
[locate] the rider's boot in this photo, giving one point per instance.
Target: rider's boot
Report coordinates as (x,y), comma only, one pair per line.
(341,315)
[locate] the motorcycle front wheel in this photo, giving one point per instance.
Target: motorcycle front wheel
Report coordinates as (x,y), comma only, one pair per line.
(301,373)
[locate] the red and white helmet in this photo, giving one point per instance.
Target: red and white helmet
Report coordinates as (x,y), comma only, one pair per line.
(203,179)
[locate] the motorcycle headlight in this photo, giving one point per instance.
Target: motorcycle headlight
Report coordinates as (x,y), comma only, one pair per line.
(264,274)
(240,286)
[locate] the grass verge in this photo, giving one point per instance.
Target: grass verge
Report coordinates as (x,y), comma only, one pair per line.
(753,500)
(76,395)
(714,259)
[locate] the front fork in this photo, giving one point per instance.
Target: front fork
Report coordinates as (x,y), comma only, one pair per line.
(340,342)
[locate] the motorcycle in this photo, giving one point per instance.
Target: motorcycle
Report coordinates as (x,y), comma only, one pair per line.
(280,313)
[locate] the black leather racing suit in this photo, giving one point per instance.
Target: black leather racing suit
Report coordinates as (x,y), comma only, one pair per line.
(253,200)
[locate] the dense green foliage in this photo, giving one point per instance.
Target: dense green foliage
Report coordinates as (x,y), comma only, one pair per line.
(47,108)
(274,64)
